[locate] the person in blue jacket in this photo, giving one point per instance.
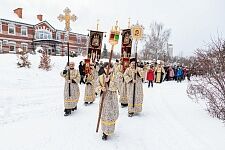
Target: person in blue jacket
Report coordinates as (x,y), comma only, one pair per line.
(179,74)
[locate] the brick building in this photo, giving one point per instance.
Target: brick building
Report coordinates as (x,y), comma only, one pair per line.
(18,33)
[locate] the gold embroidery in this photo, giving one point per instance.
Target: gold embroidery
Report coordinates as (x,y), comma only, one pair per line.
(138,105)
(123,97)
(108,123)
(70,101)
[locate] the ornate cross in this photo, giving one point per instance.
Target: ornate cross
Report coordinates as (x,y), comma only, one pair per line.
(67,17)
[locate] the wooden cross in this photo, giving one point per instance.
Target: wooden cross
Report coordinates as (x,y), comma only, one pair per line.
(67,17)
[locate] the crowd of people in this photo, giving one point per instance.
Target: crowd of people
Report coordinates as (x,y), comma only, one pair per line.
(157,73)
(122,85)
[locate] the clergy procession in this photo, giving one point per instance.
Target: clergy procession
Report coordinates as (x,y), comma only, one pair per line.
(113,83)
(112,75)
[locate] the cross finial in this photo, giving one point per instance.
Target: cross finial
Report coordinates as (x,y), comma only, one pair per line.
(67,17)
(116,25)
(97,24)
(114,34)
(129,23)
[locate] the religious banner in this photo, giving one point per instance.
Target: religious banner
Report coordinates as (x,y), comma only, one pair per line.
(126,43)
(137,32)
(95,45)
(125,62)
(114,37)
(87,63)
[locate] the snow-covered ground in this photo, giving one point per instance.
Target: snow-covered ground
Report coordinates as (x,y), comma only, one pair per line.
(31,116)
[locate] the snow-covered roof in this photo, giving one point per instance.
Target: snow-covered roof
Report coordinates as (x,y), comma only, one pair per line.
(31,20)
(46,22)
(24,20)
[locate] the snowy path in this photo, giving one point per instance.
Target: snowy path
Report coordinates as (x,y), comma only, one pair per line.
(31,117)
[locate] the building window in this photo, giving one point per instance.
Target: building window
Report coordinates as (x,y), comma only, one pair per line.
(58,50)
(65,38)
(24,46)
(49,51)
(65,51)
(78,39)
(24,31)
(12,47)
(79,50)
(12,29)
(0,28)
(49,36)
(43,34)
(0,46)
(58,36)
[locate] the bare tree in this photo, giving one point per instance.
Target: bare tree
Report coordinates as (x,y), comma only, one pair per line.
(146,54)
(210,85)
(155,42)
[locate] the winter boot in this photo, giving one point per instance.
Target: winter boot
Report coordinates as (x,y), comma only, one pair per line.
(130,114)
(67,112)
(104,137)
(124,105)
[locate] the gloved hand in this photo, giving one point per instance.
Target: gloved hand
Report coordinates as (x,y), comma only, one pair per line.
(64,71)
(73,81)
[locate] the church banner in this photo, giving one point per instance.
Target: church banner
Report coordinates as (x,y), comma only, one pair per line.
(95,45)
(126,43)
(125,63)
(87,64)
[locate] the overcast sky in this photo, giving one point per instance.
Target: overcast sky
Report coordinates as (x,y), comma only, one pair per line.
(193,22)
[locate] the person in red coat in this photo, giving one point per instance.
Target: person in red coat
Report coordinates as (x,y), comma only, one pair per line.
(151,75)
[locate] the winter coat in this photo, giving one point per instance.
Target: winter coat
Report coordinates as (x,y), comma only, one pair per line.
(150,75)
(101,71)
(81,69)
(171,72)
(179,72)
(185,72)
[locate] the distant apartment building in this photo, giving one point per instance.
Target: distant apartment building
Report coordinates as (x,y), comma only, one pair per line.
(16,34)
(170,50)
